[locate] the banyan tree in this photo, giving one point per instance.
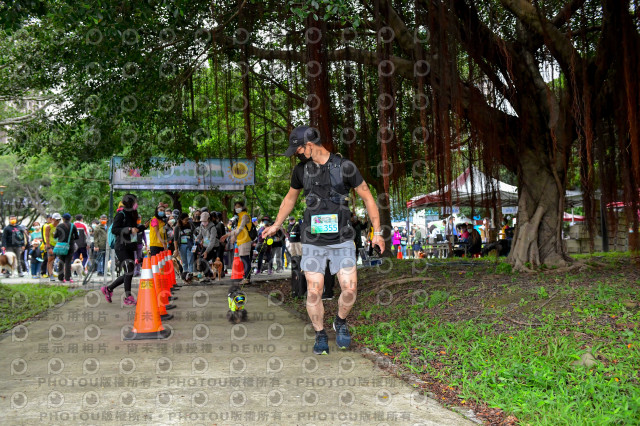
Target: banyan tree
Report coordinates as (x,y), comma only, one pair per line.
(542,89)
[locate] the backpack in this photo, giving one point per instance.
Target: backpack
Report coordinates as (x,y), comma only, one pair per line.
(19,237)
(253,232)
(82,237)
(111,238)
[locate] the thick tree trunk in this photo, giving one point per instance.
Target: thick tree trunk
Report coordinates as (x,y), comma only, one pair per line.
(538,237)
(319,101)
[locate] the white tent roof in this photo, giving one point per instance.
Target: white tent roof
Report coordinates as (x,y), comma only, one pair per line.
(474,185)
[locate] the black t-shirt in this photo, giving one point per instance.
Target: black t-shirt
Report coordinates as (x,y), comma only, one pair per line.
(321,180)
(294,232)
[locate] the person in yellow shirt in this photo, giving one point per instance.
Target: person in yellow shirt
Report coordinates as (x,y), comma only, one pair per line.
(157,231)
(241,234)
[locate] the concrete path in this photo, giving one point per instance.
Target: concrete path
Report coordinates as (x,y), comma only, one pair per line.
(72,367)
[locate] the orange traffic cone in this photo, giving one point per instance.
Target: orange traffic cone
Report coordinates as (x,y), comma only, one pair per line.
(237,269)
(147,323)
(172,272)
(399,253)
(166,290)
(157,284)
(164,278)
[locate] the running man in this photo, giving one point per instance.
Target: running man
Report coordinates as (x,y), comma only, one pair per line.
(327,235)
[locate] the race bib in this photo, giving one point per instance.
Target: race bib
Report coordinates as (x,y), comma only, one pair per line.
(206,242)
(324,223)
(134,238)
(184,239)
(193,249)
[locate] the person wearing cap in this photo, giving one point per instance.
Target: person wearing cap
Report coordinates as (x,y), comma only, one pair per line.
(62,234)
(326,232)
(127,231)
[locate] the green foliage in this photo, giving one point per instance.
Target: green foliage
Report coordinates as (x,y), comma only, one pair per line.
(526,372)
(542,293)
(503,268)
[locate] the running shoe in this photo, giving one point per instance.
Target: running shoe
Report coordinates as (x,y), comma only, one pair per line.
(343,338)
(107,293)
(321,346)
(129,301)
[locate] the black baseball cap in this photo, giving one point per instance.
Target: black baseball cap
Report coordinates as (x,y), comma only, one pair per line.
(299,137)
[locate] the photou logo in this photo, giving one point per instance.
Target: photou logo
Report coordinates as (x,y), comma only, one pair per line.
(127,399)
(127,366)
(18,400)
(56,332)
(239,332)
(346,398)
(275,365)
(310,398)
(90,366)
(237,399)
(309,365)
(90,399)
(237,365)
(383,397)
(55,399)
(92,332)
(346,365)
(199,365)
(163,365)
(18,366)
(19,333)
(55,366)
(200,299)
(199,399)
(275,331)
(200,332)
(274,398)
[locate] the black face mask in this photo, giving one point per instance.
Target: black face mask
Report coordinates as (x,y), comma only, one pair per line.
(302,158)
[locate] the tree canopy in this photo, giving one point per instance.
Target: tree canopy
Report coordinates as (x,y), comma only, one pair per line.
(411,91)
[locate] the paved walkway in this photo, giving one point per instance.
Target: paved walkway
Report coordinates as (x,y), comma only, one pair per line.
(71,366)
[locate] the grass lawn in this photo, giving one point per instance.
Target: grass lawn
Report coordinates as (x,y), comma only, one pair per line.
(20,302)
(503,343)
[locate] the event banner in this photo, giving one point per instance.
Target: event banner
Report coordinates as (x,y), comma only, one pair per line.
(210,174)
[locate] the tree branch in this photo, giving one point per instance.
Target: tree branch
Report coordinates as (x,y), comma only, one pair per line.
(559,45)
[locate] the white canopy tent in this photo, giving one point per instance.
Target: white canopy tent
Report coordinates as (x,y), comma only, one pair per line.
(473,186)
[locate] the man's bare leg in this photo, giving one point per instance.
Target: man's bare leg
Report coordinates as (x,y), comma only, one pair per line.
(348,278)
(315,308)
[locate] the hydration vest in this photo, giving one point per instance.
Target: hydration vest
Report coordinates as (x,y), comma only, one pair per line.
(338,192)
(336,203)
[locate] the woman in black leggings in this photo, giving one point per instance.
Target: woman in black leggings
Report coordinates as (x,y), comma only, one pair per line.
(127,231)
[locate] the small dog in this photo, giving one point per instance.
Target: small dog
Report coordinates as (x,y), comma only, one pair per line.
(217,269)
(9,262)
(77,268)
(187,277)
(237,313)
